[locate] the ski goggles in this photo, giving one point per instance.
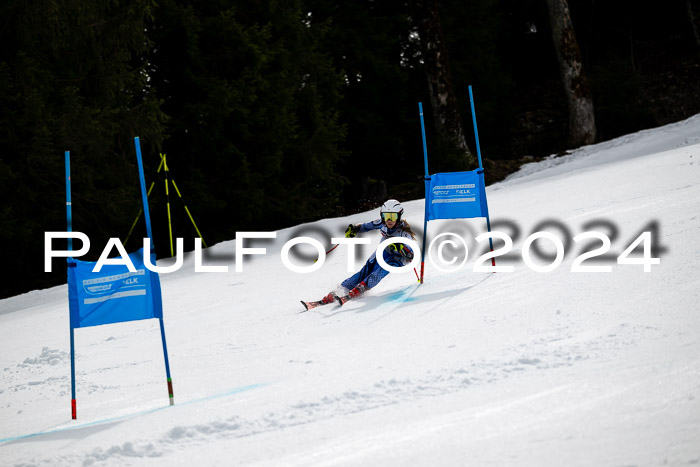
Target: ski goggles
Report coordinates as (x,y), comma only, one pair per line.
(390,216)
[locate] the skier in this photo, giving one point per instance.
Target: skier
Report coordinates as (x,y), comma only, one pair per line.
(390,225)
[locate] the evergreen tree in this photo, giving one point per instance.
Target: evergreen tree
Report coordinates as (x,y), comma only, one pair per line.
(443,99)
(73,76)
(383,82)
(252,102)
(479,37)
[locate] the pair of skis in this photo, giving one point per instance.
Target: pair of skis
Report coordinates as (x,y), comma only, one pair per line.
(324,301)
(333,297)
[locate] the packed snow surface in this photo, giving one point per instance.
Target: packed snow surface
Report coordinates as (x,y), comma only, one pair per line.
(470,368)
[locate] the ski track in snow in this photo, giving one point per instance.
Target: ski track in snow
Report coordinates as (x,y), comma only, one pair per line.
(545,354)
(565,345)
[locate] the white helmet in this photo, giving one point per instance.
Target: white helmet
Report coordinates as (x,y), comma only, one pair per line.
(392,206)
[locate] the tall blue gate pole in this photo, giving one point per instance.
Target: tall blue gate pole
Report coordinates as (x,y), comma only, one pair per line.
(147,216)
(427,184)
(476,132)
(144,196)
(481,170)
(69,219)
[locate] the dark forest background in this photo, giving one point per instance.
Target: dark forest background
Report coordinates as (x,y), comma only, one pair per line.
(274,113)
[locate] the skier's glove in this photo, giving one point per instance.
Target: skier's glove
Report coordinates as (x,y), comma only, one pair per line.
(351,231)
(402,250)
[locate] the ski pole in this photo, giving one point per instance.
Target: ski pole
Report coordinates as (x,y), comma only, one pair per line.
(332,248)
(337,244)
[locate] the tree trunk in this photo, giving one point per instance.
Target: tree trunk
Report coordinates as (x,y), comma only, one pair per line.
(582,129)
(442,98)
(694,18)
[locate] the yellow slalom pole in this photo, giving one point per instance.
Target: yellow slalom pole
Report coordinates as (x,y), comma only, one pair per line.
(188,213)
(164,165)
(167,200)
(138,216)
(170,225)
(183,203)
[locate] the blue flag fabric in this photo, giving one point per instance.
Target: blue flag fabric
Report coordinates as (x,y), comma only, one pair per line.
(114,294)
(456,195)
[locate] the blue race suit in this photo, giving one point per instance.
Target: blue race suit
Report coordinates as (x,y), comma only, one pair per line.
(372,273)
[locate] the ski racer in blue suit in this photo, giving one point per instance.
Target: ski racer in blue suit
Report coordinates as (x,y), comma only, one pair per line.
(390,225)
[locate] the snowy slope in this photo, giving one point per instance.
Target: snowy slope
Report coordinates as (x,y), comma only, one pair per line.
(470,368)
